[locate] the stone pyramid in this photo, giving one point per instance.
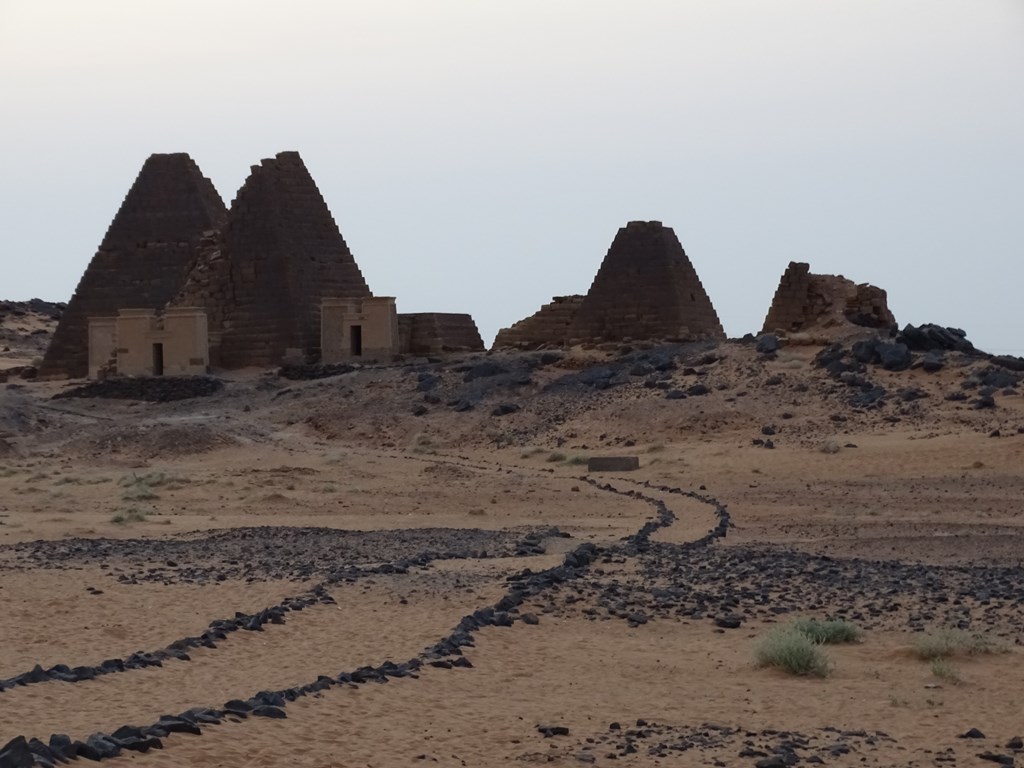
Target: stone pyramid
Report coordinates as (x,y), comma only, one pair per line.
(646,288)
(143,259)
(805,300)
(278,256)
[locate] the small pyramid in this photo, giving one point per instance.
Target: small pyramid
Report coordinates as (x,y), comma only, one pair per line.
(143,259)
(646,288)
(805,300)
(280,255)
(549,326)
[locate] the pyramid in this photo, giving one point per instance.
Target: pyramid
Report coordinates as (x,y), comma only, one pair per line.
(646,288)
(549,326)
(143,259)
(262,279)
(805,300)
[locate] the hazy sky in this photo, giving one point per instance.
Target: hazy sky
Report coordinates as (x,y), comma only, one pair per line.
(479,156)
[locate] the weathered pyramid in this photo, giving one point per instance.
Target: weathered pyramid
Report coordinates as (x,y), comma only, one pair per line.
(549,326)
(646,288)
(263,279)
(805,300)
(143,259)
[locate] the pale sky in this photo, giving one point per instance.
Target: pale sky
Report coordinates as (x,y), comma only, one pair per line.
(480,156)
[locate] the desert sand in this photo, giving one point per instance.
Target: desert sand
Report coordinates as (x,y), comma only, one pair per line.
(129,526)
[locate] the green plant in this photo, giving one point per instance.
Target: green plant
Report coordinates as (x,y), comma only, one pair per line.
(943,643)
(828,632)
(945,670)
(155,480)
(792,651)
(132,515)
(139,491)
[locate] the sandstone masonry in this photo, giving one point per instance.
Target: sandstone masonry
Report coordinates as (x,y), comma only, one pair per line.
(143,257)
(805,301)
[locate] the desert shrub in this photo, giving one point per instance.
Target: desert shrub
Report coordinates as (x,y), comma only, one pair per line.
(133,515)
(578,460)
(792,651)
(944,670)
(830,446)
(140,487)
(943,643)
(140,490)
(828,632)
(555,456)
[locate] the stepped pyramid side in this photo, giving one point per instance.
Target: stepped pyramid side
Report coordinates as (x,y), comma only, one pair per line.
(646,288)
(790,307)
(427,333)
(144,257)
(550,325)
(281,253)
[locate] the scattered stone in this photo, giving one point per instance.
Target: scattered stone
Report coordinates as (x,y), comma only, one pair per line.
(154,389)
(767,343)
(273,712)
(553,730)
(894,357)
(992,757)
(16,754)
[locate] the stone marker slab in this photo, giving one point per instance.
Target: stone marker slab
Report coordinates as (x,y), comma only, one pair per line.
(613,464)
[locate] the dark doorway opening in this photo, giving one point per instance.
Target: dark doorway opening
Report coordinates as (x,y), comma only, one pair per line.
(356,339)
(158,359)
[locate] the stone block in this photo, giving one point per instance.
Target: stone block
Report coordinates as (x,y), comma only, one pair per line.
(613,464)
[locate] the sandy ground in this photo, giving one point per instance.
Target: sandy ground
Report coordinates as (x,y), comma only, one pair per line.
(931,487)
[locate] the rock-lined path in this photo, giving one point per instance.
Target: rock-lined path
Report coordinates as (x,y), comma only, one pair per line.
(309,692)
(43,711)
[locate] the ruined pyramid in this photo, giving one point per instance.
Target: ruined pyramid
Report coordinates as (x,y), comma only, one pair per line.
(143,258)
(646,288)
(262,279)
(805,301)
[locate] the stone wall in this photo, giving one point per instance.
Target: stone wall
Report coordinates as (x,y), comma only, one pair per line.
(428,333)
(806,301)
(263,278)
(549,326)
(377,336)
(646,288)
(143,259)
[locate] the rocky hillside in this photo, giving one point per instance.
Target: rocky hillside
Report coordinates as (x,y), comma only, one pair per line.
(26,328)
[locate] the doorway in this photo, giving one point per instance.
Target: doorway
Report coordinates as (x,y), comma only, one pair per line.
(356,339)
(158,359)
